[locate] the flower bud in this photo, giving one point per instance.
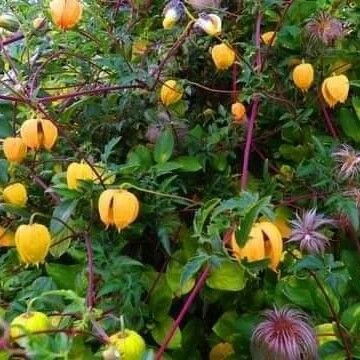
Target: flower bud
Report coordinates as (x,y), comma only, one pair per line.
(221,351)
(66,13)
(209,23)
(129,344)
(32,243)
(223,56)
(303,76)
(14,149)
(9,22)
(238,112)
(15,194)
(170,93)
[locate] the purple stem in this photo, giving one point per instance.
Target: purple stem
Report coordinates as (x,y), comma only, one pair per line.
(199,284)
(328,120)
(90,296)
(16,37)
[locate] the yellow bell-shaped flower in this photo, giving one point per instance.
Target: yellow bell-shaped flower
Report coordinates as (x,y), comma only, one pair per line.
(65,13)
(223,56)
(129,344)
(28,323)
(118,207)
(14,149)
(32,243)
(170,93)
(76,172)
(7,238)
(38,133)
(335,89)
(238,111)
(15,194)
(171,16)
(265,242)
(303,76)
(269,38)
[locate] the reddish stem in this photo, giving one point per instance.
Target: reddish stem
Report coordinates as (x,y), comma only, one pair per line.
(90,296)
(199,284)
(328,120)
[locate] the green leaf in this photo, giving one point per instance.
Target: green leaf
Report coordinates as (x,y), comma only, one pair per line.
(62,212)
(173,276)
(351,318)
(229,276)
(60,242)
(4,178)
(15,210)
(356,105)
(350,124)
(202,215)
(162,328)
(188,163)
(64,276)
(161,299)
(192,267)
(164,147)
(249,219)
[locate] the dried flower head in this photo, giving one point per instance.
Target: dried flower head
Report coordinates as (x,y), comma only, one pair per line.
(305,230)
(348,161)
(325,28)
(284,334)
(354,194)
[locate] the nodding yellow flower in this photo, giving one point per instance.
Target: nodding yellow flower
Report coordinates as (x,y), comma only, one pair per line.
(78,171)
(32,243)
(303,76)
(209,23)
(28,323)
(15,194)
(269,38)
(14,149)
(170,93)
(38,133)
(223,56)
(129,344)
(7,238)
(265,242)
(238,111)
(335,89)
(118,207)
(66,13)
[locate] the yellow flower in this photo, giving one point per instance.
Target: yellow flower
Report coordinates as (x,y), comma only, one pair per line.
(335,89)
(66,13)
(14,149)
(171,17)
(15,194)
(129,344)
(223,56)
(76,172)
(265,242)
(170,93)
(7,238)
(118,207)
(303,76)
(37,133)
(221,351)
(209,23)
(238,111)
(28,323)
(32,243)
(269,38)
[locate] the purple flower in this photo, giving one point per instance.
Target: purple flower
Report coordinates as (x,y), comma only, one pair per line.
(305,230)
(285,334)
(348,161)
(325,28)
